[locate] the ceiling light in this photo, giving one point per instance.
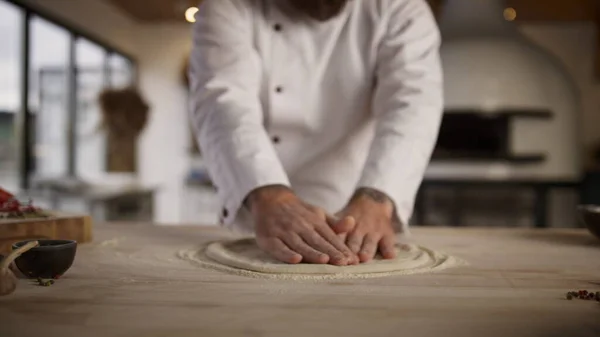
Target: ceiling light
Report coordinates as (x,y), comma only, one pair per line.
(510,14)
(190,14)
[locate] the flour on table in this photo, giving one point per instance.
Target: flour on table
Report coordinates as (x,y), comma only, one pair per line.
(244,257)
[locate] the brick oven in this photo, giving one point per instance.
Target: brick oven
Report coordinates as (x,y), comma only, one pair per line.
(510,128)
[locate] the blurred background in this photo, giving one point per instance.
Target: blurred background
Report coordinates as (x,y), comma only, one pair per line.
(519,145)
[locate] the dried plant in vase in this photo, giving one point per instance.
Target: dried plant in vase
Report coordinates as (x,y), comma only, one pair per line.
(124,116)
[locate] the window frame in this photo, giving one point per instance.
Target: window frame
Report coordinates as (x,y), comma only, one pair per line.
(23,117)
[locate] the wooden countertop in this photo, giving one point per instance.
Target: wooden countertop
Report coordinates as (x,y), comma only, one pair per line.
(129,283)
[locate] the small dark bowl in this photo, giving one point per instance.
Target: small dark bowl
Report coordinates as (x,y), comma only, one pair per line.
(590,217)
(51,259)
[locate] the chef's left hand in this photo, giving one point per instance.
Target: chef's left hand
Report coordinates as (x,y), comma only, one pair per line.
(373,231)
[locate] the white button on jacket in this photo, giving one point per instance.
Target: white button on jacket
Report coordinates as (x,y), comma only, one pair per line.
(323,107)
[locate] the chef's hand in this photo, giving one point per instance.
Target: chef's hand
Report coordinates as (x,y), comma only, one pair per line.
(292,231)
(373,230)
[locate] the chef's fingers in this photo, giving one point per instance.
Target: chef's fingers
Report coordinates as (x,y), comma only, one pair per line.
(387,246)
(320,212)
(354,241)
(340,246)
(345,225)
(309,254)
(332,220)
(280,251)
(369,247)
(316,241)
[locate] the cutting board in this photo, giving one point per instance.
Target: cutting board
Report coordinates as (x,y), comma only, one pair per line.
(58,226)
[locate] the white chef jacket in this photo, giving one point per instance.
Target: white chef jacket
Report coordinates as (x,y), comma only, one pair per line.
(321,107)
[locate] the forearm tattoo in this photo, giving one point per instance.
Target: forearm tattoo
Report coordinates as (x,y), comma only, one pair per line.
(378,197)
(259,191)
(372,194)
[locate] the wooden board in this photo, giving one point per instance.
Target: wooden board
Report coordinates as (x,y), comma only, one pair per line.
(64,227)
(129,283)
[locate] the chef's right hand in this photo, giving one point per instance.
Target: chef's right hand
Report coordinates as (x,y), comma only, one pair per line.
(294,232)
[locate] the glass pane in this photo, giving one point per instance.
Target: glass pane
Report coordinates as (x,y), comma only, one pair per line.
(121,71)
(90,141)
(48,97)
(11,19)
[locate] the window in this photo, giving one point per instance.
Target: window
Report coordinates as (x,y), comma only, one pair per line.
(121,72)
(91,79)
(11,23)
(59,136)
(48,97)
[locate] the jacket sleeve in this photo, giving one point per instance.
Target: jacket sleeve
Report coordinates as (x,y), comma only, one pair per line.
(226,113)
(408,105)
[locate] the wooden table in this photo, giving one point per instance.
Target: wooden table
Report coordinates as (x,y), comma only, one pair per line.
(129,283)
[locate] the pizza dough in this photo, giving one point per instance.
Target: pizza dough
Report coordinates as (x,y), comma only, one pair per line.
(244,257)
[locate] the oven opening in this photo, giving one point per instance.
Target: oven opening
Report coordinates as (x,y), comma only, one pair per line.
(472,136)
(478,136)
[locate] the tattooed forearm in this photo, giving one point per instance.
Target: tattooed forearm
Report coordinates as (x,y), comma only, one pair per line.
(372,194)
(378,197)
(264,191)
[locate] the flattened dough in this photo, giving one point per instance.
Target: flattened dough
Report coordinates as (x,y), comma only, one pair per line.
(243,257)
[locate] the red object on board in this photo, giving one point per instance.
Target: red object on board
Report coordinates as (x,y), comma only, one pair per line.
(10,206)
(5,195)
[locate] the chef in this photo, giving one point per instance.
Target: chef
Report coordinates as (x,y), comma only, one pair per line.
(317,120)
